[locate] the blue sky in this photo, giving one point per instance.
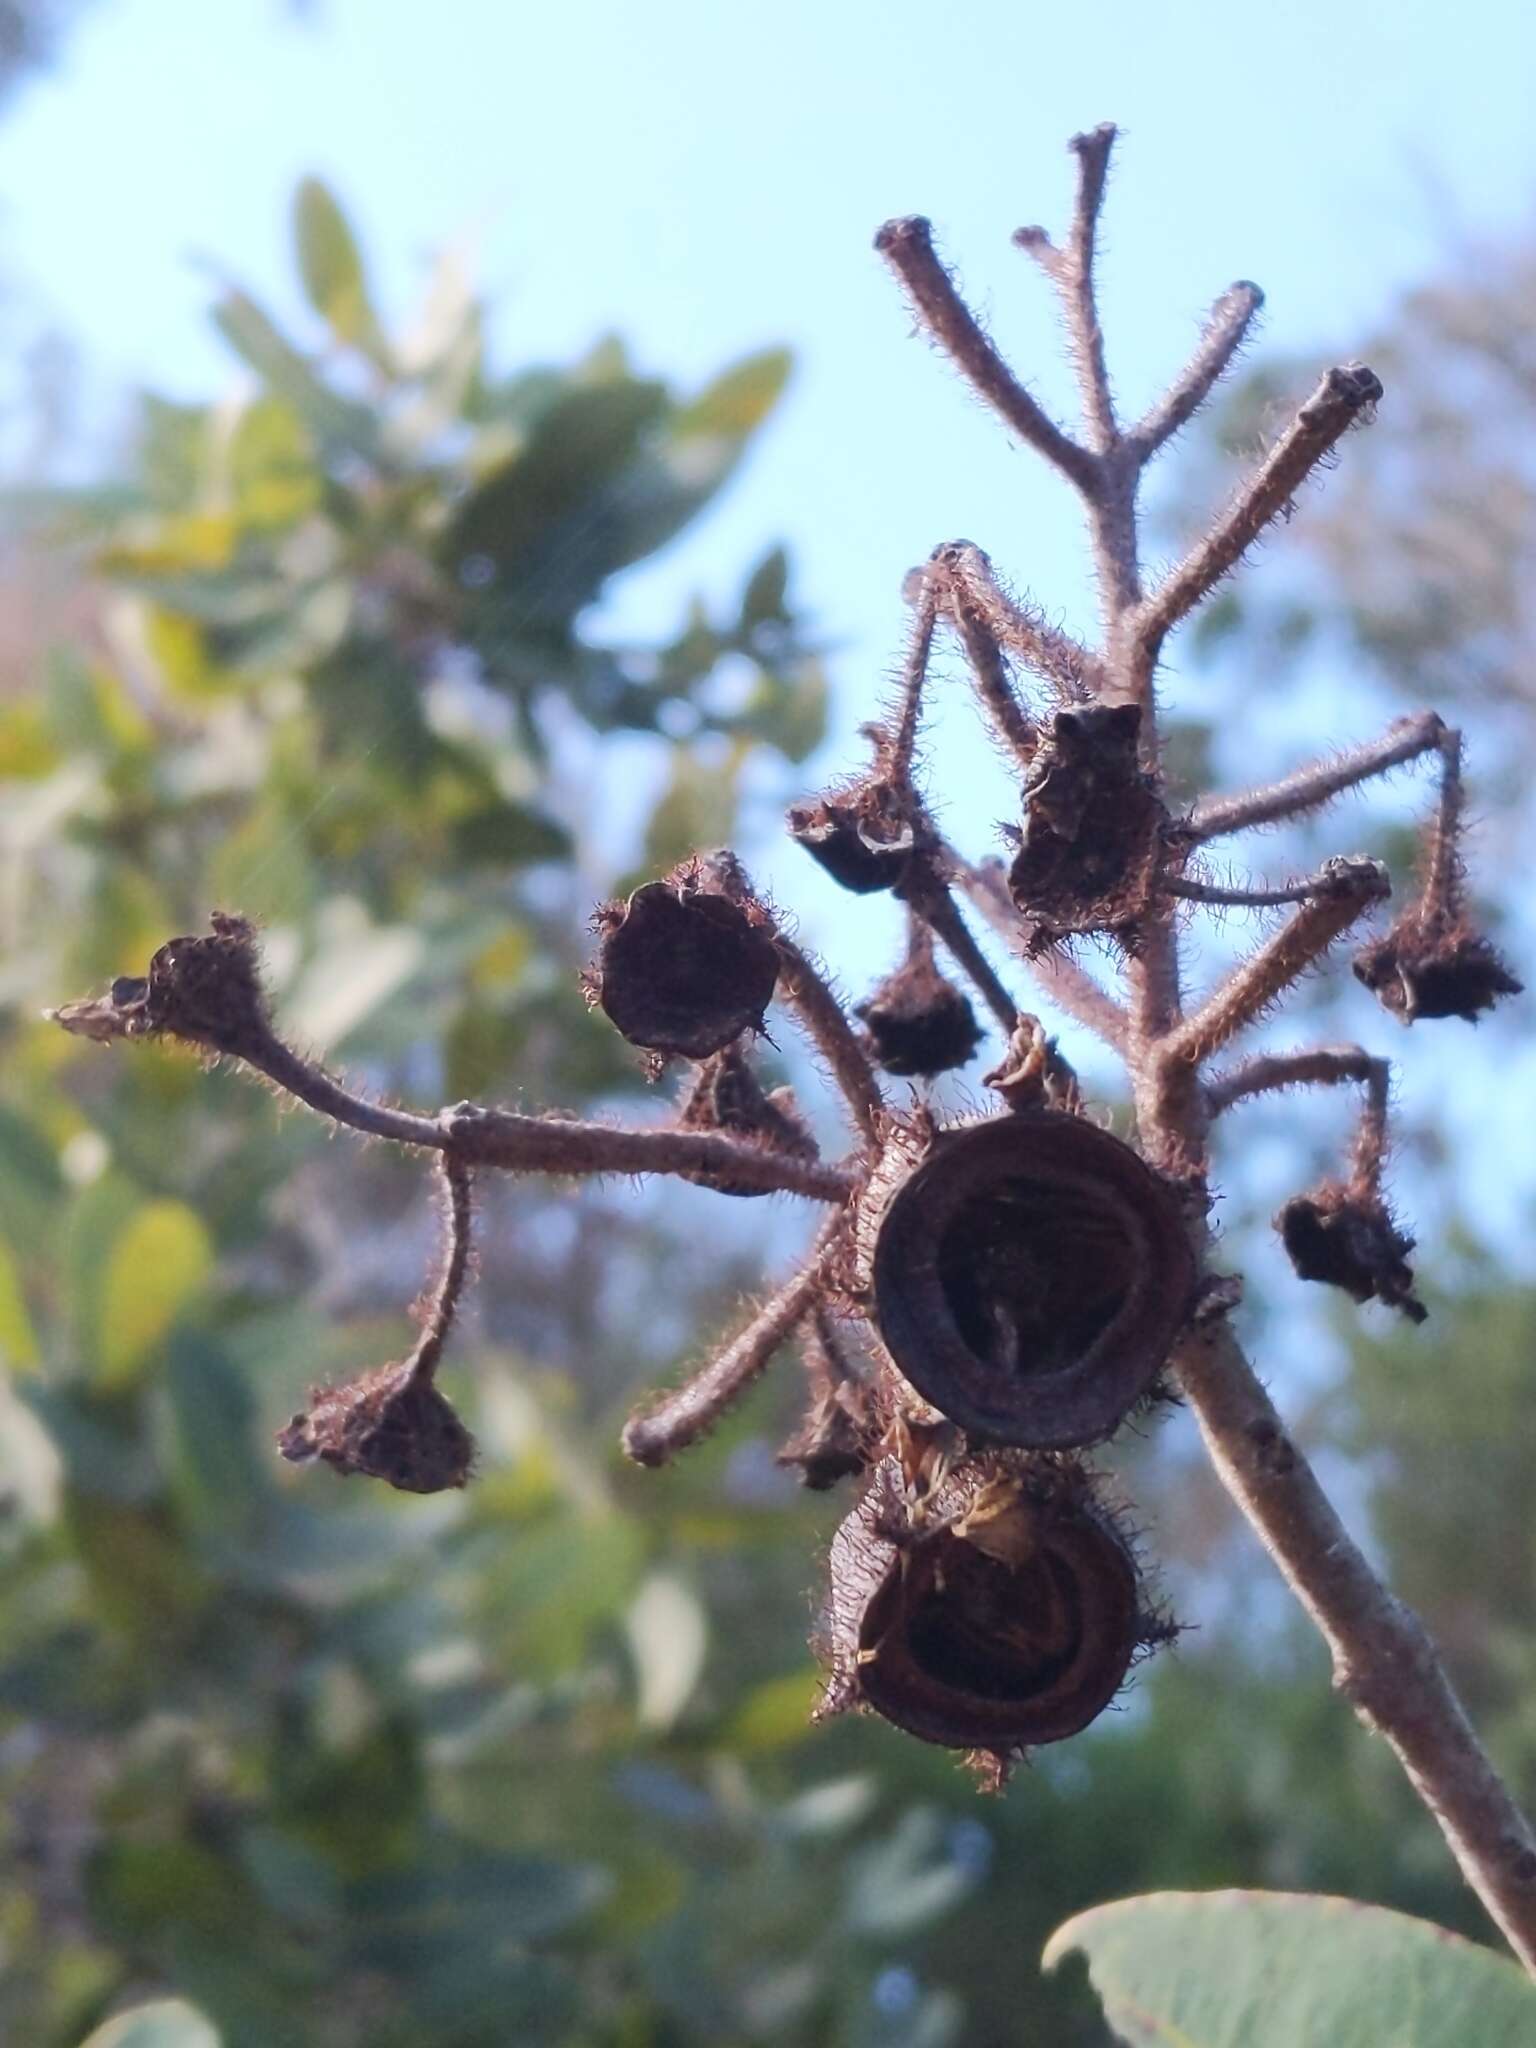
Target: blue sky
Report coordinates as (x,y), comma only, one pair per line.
(707,178)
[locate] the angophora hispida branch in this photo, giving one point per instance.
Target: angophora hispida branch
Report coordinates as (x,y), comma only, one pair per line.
(1026,1281)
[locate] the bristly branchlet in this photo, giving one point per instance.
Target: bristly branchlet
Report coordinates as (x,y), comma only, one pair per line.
(985,1298)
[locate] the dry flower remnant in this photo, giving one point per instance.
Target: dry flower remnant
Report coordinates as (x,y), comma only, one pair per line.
(985,1300)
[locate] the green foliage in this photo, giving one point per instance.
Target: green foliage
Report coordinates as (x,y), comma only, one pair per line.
(1271,1969)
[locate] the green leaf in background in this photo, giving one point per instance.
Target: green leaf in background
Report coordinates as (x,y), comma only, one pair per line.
(331,264)
(155,1267)
(340,423)
(167,2023)
(18,1340)
(1287,1969)
(740,398)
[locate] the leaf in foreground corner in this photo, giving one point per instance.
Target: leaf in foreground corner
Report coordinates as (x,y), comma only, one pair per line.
(1279,1969)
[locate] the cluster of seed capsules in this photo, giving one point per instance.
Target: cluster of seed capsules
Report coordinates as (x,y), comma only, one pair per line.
(997,1297)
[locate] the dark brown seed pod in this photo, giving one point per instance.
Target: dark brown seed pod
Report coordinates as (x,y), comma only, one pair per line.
(1346,1238)
(1093,831)
(1029,1276)
(204,988)
(863,836)
(391,1423)
(1002,1611)
(919,1023)
(683,968)
(843,1419)
(727,1096)
(1431,967)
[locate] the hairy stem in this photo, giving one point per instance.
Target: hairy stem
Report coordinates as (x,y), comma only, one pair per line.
(1226,328)
(1308,789)
(663,1428)
(443,1307)
(907,245)
(1071,671)
(829,1031)
(1384,1662)
(994,686)
(1339,400)
(1342,897)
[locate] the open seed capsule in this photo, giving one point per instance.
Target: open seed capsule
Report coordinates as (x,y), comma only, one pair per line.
(1003,1612)
(1029,1277)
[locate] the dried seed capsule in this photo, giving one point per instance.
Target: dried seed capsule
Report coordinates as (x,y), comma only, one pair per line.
(1092,835)
(683,968)
(1002,1611)
(726,1096)
(391,1424)
(1431,967)
(1346,1238)
(842,1421)
(1029,1275)
(919,1023)
(864,836)
(204,988)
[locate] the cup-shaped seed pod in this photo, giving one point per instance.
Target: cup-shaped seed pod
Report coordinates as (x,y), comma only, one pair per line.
(919,1023)
(1029,1276)
(390,1424)
(727,1096)
(682,968)
(864,836)
(1093,826)
(1346,1238)
(1003,1612)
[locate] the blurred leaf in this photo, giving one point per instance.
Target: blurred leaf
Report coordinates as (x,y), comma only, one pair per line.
(695,810)
(668,1637)
(777,1713)
(740,398)
(220,1479)
(356,969)
(18,1339)
(762,602)
(341,424)
(331,264)
(1273,1969)
(157,1264)
(903,1883)
(165,2023)
(508,835)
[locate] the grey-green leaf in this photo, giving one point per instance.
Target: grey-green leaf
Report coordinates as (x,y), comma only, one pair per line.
(1243,1969)
(330,263)
(166,2023)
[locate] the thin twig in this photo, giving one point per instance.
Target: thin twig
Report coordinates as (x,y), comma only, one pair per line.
(549,1144)
(1068,985)
(1071,270)
(936,907)
(458,1201)
(662,1428)
(829,1031)
(1226,328)
(907,245)
(1308,789)
(1339,400)
(1268,1073)
(1256,982)
(1384,1662)
(914,674)
(1225,896)
(989,671)
(1072,672)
